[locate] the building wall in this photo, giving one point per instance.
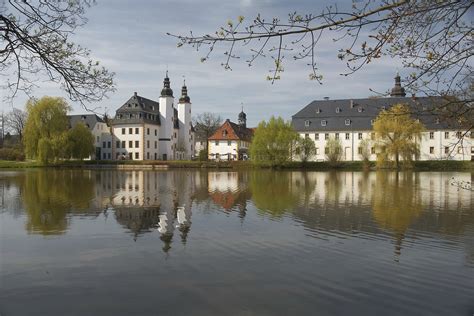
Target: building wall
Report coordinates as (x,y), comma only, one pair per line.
(432,147)
(221,150)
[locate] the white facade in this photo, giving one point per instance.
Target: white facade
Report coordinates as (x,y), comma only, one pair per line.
(435,145)
(223,149)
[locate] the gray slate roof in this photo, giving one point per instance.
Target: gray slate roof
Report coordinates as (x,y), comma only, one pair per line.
(142,109)
(87,119)
(361,112)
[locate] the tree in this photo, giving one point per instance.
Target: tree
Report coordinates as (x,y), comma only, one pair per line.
(333,151)
(273,142)
(35,41)
(45,136)
(305,149)
(206,124)
(364,153)
(15,121)
(80,142)
(396,135)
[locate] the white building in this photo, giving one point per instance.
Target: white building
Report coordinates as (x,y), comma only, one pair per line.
(144,129)
(351,120)
(231,141)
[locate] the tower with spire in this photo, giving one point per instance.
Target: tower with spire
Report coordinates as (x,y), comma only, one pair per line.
(185,139)
(166,101)
(242,120)
(398,90)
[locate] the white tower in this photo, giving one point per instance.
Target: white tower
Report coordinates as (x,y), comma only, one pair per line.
(166,117)
(185,140)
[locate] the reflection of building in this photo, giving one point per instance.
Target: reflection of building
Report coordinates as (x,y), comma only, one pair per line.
(351,120)
(229,190)
(231,141)
(138,220)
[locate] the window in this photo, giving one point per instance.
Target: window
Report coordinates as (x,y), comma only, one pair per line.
(318,111)
(103,145)
(458,134)
(338,110)
(174,134)
(431,135)
(437,121)
(460,150)
(337,135)
(136,155)
(130,130)
(306,123)
(217,143)
(156,132)
(147,144)
(147,155)
(360,135)
(316,136)
(156,156)
(137,144)
(372,150)
(109,144)
(431,150)
(348,122)
(317,151)
(156,144)
(324,123)
(130,144)
(109,156)
(347,135)
(98,139)
(104,156)
(446,150)
(229,143)
(372,122)
(117,144)
(306,135)
(446,135)
(224,133)
(123,144)
(137,130)
(148,131)
(360,110)
(123,131)
(326,136)
(359,150)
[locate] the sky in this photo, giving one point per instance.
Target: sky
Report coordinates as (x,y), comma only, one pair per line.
(129,38)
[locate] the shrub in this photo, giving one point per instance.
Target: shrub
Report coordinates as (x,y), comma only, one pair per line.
(11,154)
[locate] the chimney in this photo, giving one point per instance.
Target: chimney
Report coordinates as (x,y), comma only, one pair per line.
(135,94)
(352,104)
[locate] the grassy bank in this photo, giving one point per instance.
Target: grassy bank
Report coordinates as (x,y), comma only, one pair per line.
(322,166)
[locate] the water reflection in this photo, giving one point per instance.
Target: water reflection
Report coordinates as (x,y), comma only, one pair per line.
(325,203)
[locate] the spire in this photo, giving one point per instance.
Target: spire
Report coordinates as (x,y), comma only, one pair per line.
(184,94)
(398,90)
(166,91)
(242,118)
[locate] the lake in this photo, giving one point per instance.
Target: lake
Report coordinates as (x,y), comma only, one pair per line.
(192,242)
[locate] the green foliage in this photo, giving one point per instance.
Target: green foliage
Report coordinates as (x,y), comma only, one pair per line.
(273,142)
(305,149)
(45,133)
(396,136)
(12,154)
(333,151)
(203,155)
(80,142)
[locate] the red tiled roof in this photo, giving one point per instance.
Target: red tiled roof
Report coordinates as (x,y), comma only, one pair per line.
(232,131)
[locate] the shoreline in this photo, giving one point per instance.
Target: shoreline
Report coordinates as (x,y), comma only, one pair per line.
(438,165)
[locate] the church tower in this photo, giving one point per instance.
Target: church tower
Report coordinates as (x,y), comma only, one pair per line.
(398,90)
(242,119)
(166,120)
(185,139)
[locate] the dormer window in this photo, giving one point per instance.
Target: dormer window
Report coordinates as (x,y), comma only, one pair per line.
(372,122)
(224,133)
(383,108)
(338,110)
(83,117)
(360,110)
(306,123)
(129,105)
(324,123)
(318,110)
(437,121)
(348,122)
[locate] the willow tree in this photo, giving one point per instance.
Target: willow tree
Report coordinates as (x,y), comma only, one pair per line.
(45,134)
(80,142)
(273,142)
(397,135)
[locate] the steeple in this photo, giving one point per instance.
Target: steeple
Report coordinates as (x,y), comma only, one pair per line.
(242,118)
(166,91)
(398,90)
(184,94)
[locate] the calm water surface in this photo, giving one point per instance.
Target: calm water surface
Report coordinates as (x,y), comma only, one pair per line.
(235,243)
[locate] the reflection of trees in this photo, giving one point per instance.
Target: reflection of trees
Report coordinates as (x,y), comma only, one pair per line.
(396,202)
(273,191)
(48,195)
(138,219)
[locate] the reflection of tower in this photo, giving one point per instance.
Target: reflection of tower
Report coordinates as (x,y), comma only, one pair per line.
(184,221)
(165,227)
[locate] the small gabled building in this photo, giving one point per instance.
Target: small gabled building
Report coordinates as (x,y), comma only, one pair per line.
(231,141)
(100,131)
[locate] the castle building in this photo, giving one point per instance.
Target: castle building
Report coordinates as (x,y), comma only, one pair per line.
(351,120)
(231,141)
(100,131)
(144,129)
